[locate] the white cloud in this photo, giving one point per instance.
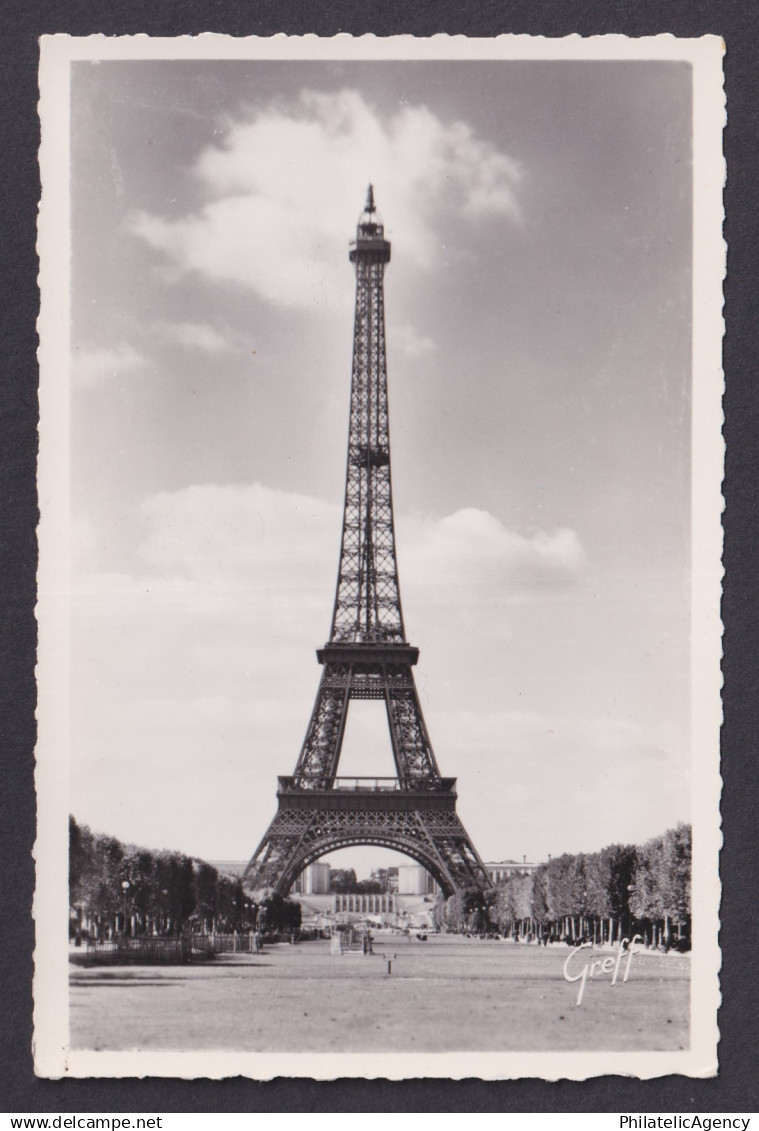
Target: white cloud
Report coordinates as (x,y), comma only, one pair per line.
(406,339)
(224,538)
(258,552)
(564,784)
(201,336)
(200,654)
(283,180)
(230,594)
(93,367)
(472,551)
(238,535)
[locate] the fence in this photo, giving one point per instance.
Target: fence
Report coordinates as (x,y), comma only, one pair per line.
(350,942)
(151,951)
(233,944)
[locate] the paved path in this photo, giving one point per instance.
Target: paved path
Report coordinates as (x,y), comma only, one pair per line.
(442,996)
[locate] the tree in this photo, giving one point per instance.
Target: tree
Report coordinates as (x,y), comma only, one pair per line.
(540,894)
(514,901)
(645,889)
(566,893)
(279,914)
(167,891)
(139,865)
(467,911)
(231,898)
(619,859)
(367,887)
(80,862)
(660,887)
(109,874)
(675,870)
(379,876)
(343,880)
(206,894)
(438,913)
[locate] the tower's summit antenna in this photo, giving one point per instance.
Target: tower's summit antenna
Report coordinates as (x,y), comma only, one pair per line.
(370,244)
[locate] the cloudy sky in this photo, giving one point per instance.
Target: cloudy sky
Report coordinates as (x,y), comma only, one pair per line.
(538,307)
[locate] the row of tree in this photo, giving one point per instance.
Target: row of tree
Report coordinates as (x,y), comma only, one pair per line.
(601,897)
(116,887)
(604,896)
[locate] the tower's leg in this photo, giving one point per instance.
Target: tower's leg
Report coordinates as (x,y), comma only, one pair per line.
(319,756)
(274,864)
(412,749)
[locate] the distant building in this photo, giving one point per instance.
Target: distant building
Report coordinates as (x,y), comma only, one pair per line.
(500,871)
(387,878)
(360,904)
(413,879)
(313,880)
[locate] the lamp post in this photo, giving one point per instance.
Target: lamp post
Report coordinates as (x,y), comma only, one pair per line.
(125,885)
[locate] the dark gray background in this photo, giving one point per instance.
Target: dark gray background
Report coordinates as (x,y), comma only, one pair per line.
(735,1089)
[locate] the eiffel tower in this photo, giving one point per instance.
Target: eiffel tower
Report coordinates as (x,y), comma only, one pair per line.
(367,657)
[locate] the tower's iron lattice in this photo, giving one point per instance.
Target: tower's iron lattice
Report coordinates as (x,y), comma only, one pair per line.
(367,657)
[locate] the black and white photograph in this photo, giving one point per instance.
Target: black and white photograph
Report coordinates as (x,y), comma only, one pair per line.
(379,589)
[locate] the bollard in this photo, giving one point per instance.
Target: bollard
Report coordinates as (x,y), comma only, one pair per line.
(389,967)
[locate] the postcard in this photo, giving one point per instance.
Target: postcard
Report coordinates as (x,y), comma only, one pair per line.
(380,557)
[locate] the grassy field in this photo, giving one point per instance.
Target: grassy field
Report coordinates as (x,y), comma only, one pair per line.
(444,995)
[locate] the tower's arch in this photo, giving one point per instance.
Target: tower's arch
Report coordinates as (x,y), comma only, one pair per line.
(336,842)
(420,823)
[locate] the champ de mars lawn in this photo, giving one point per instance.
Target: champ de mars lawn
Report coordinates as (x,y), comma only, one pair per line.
(444,995)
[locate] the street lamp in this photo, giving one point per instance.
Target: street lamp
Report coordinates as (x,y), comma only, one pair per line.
(125,886)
